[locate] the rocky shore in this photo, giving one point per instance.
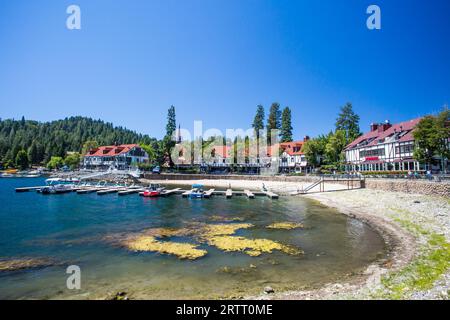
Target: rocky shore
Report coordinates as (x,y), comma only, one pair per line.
(417,231)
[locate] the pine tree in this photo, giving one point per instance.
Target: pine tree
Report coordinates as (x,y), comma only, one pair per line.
(258,121)
(348,121)
(171,122)
(169,141)
(286,125)
(274,120)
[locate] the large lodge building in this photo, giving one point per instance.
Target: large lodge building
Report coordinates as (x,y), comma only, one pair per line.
(120,157)
(386,147)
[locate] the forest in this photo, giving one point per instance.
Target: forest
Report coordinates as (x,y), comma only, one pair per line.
(24,142)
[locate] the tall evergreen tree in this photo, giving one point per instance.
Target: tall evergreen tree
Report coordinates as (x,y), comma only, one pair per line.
(169,141)
(258,121)
(348,121)
(286,125)
(274,120)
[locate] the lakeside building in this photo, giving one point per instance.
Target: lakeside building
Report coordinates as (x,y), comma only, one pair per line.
(387,147)
(292,159)
(119,157)
(289,158)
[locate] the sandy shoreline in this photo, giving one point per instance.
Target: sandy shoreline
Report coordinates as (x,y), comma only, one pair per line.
(408,224)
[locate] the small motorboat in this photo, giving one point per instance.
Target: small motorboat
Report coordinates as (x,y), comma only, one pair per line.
(197,191)
(153,191)
(7,175)
(56,189)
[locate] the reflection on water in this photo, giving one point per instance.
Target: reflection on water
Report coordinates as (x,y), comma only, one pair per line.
(71,229)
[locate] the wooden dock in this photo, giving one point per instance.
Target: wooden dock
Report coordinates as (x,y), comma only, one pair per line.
(122,191)
(166,193)
(130,191)
(272,195)
(208,193)
(187,193)
(111,190)
(249,194)
(86,190)
(26,189)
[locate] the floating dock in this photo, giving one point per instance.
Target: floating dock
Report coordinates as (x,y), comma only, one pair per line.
(208,193)
(26,189)
(249,194)
(166,193)
(123,191)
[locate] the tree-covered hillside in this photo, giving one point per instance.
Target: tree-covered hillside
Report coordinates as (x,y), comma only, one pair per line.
(41,140)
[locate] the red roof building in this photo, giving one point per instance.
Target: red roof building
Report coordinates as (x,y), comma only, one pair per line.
(385,147)
(117,156)
(292,157)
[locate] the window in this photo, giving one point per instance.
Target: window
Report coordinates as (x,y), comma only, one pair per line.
(371,153)
(407,148)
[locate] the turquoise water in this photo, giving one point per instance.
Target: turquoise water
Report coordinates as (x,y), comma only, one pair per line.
(71,229)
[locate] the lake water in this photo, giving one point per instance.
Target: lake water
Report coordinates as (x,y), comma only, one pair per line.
(71,229)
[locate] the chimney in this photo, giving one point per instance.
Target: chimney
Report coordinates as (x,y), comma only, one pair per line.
(380,127)
(306,138)
(373,126)
(387,124)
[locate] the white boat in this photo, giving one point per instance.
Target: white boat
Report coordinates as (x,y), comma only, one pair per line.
(61,180)
(56,189)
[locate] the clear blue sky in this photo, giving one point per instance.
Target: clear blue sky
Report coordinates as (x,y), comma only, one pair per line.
(215,60)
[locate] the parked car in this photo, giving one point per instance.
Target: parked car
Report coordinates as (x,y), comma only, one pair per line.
(156,170)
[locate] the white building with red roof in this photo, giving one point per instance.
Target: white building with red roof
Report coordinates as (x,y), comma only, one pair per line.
(385,147)
(292,158)
(120,157)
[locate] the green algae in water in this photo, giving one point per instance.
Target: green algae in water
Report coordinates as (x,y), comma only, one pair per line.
(181,250)
(285,225)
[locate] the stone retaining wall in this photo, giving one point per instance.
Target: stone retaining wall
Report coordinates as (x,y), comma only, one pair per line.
(441,189)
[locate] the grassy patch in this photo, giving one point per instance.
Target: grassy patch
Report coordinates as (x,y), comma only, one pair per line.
(432,262)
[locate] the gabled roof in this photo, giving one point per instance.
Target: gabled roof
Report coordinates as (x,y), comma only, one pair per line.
(110,151)
(403,130)
(289,147)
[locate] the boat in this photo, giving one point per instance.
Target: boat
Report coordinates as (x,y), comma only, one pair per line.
(7,175)
(61,180)
(153,191)
(197,191)
(56,189)
(31,176)
(57,186)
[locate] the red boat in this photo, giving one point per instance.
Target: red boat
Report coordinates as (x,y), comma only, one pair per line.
(151,193)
